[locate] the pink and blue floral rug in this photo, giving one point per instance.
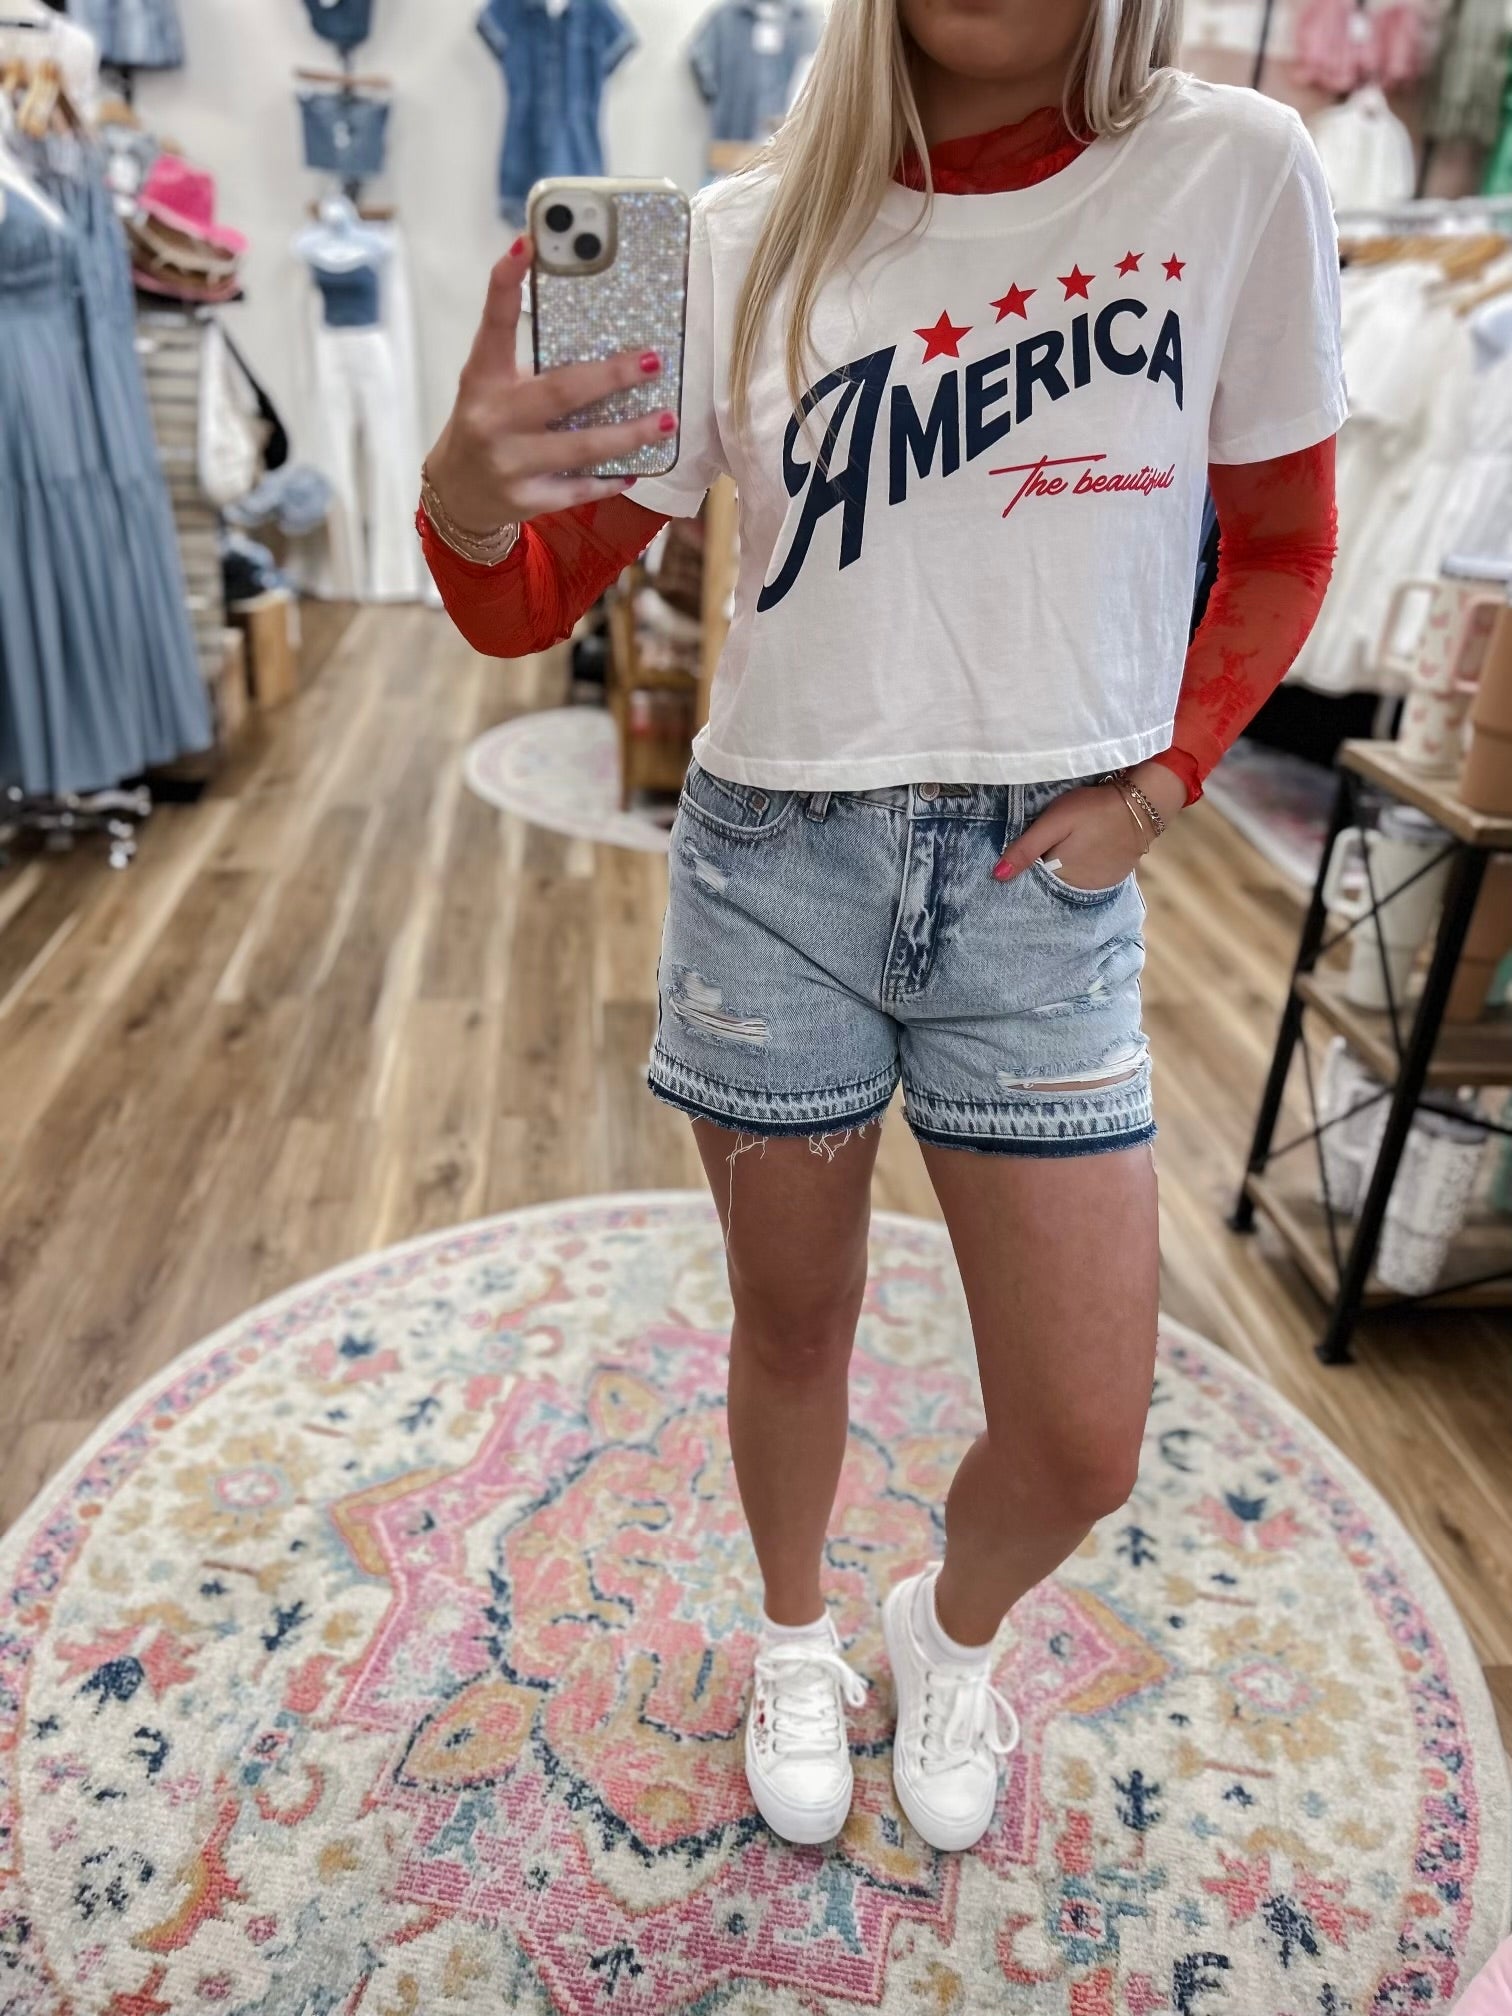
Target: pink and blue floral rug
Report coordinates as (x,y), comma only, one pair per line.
(390,1657)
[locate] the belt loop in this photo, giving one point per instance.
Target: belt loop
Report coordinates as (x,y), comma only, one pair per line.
(818,805)
(1018,814)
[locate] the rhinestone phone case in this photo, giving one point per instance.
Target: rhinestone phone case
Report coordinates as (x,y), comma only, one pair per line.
(638,302)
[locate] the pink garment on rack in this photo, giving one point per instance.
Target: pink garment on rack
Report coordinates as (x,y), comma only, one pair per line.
(1342,44)
(1490,1993)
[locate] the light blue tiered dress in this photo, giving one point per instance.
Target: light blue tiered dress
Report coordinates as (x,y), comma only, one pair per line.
(98,675)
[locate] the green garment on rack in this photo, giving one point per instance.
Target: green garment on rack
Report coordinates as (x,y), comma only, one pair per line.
(1498,180)
(1466,100)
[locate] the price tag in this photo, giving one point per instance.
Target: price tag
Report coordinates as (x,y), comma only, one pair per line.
(767,38)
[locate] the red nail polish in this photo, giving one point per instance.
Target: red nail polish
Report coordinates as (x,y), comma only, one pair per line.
(1004,871)
(517,248)
(650,363)
(668,423)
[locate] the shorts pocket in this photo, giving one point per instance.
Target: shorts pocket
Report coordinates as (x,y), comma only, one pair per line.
(1079,899)
(736,811)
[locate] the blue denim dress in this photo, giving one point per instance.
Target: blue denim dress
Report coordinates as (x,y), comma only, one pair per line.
(555,66)
(344,134)
(137,34)
(98,673)
(344,22)
(745,68)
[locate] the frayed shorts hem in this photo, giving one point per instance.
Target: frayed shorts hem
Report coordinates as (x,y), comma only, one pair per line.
(1036,1146)
(766,1117)
(1010,1130)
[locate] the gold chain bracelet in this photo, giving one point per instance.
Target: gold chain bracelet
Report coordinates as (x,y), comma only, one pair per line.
(1139,803)
(484,549)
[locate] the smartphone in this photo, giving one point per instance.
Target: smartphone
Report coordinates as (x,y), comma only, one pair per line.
(611,274)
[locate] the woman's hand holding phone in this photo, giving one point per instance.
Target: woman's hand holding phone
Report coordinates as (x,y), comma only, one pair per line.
(499,461)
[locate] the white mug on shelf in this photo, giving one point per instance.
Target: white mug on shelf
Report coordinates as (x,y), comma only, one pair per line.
(1442,669)
(1385,947)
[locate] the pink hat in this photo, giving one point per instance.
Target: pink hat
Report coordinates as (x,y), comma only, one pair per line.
(184,197)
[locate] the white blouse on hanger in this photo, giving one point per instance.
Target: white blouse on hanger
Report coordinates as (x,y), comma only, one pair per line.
(55,39)
(1366,151)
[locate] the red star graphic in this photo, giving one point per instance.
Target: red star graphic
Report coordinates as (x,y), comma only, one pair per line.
(944,339)
(1174,267)
(1130,262)
(1014,302)
(1076,282)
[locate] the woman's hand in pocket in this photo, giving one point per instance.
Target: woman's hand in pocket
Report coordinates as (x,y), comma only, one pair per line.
(1089,838)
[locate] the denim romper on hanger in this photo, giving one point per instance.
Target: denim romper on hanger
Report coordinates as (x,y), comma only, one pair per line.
(745,79)
(555,63)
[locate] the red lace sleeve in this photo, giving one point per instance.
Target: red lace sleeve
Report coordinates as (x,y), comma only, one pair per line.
(1277,534)
(558,570)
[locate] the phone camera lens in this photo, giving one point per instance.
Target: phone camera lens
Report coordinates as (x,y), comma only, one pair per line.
(587,245)
(558,218)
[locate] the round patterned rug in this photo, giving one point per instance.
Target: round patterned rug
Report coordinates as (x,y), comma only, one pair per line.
(390,1655)
(559,768)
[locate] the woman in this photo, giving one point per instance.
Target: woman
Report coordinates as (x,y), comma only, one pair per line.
(971,359)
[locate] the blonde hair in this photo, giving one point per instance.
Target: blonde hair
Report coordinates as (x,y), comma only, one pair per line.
(836,154)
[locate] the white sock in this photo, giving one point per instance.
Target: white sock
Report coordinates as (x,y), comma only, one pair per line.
(939,1647)
(785,1634)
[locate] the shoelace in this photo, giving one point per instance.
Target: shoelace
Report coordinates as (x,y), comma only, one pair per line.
(971,1713)
(798,1686)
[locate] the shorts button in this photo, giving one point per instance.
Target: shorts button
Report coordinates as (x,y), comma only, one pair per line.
(927,791)
(760,800)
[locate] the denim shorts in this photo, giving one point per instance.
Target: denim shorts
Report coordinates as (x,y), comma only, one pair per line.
(821,946)
(344,133)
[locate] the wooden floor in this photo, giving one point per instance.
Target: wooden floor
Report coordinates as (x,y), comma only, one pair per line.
(340,1001)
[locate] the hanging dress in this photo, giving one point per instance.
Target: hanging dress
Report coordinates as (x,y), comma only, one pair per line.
(65,719)
(174,706)
(98,675)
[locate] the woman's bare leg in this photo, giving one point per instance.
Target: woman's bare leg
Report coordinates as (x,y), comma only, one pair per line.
(1060,1261)
(795,1218)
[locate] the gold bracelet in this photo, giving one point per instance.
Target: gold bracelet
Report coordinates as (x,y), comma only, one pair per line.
(1148,838)
(1138,801)
(484,549)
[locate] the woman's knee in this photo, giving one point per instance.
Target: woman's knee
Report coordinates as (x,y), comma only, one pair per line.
(1096,1479)
(1073,1479)
(794,1327)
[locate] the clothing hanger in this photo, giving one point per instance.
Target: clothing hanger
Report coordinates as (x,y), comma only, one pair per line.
(1492,291)
(49,105)
(116,112)
(13,175)
(343,81)
(370,213)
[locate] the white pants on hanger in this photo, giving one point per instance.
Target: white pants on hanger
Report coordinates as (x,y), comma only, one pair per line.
(367,452)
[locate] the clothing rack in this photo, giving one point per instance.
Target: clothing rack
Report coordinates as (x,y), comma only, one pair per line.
(1267,20)
(61,823)
(1415,211)
(1430,145)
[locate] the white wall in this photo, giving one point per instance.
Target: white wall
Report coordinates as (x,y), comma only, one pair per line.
(232,108)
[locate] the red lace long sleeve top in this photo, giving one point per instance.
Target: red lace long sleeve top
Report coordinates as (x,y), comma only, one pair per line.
(1276,524)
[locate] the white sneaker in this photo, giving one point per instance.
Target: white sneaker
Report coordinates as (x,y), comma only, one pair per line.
(953,1728)
(797,1755)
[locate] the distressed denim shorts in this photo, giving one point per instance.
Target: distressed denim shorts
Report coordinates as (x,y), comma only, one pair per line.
(821,946)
